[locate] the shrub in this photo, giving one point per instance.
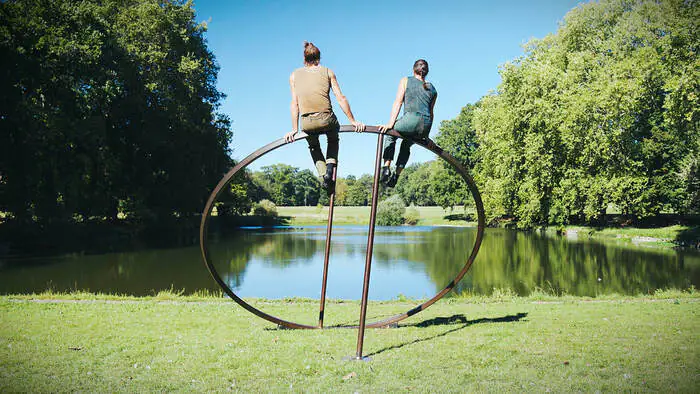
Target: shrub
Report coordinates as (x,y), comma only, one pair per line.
(265,208)
(411,216)
(390,212)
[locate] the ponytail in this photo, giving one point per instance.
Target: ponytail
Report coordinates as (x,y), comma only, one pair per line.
(420,67)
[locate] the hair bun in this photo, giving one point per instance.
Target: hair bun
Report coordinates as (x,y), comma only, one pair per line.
(306,44)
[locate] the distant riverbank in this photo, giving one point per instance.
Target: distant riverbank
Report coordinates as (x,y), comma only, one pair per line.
(104,236)
(661,236)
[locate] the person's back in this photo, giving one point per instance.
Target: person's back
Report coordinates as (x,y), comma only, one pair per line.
(312,86)
(419,99)
(417,96)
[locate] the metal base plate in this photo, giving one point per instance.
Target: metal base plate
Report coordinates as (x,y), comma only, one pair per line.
(355,358)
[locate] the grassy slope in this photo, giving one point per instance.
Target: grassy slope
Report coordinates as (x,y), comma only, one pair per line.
(482,344)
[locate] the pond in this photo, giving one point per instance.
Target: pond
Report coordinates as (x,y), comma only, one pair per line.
(413,262)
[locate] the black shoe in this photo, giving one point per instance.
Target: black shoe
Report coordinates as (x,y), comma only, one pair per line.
(392,181)
(384,175)
(327,184)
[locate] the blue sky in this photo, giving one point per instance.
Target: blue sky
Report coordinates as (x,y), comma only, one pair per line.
(370,45)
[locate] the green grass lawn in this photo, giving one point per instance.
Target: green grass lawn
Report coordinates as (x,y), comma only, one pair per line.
(501,343)
(360,215)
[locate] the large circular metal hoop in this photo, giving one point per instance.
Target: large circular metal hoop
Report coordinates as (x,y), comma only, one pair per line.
(427,144)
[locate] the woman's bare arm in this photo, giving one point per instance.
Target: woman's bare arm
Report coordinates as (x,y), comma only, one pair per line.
(343,102)
(432,105)
(396,108)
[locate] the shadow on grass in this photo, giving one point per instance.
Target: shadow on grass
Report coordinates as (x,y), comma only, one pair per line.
(689,237)
(460,321)
(236,222)
(458,217)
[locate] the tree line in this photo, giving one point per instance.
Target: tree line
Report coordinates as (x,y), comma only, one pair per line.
(421,184)
(110,108)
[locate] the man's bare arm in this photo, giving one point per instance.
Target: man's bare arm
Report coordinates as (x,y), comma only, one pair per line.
(396,108)
(294,110)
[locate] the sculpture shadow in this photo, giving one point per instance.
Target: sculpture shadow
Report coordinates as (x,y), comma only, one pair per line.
(460,321)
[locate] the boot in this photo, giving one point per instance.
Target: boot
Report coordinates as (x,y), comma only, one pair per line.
(392,180)
(328,182)
(384,175)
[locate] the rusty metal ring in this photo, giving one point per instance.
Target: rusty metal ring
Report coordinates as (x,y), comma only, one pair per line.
(427,144)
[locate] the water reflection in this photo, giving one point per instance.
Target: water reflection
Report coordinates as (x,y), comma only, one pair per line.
(412,261)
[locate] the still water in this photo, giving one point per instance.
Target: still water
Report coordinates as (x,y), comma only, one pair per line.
(414,262)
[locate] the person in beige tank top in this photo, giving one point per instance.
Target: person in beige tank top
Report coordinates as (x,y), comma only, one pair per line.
(311,86)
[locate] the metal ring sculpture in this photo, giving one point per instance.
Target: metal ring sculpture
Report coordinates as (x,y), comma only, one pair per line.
(427,144)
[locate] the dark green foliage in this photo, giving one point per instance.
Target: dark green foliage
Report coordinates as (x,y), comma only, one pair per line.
(237,199)
(603,113)
(421,184)
(414,185)
(359,192)
(285,185)
(458,136)
(107,108)
(447,187)
(278,181)
(306,188)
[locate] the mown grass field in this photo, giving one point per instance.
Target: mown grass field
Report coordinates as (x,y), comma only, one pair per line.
(360,215)
(500,343)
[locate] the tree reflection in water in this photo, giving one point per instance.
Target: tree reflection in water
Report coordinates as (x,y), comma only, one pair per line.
(507,259)
(411,261)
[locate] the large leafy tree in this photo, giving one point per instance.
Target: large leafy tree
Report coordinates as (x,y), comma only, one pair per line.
(604,112)
(458,136)
(359,192)
(279,181)
(414,185)
(107,107)
(306,188)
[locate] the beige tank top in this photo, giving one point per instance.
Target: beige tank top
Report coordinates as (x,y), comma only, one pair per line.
(312,85)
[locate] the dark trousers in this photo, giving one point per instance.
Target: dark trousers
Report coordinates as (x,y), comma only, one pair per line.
(314,125)
(407,128)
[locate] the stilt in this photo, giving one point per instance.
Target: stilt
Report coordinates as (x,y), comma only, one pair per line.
(370,246)
(329,228)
